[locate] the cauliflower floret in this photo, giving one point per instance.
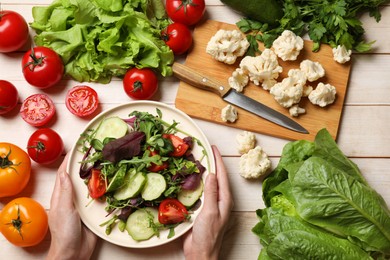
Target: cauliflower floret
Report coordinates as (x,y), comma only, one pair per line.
(295,110)
(312,69)
(229,114)
(307,89)
(288,45)
(262,68)
(246,141)
(298,75)
(226,46)
(288,92)
(323,95)
(341,54)
(238,80)
(254,164)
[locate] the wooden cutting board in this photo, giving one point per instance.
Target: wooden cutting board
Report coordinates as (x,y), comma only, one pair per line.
(206,105)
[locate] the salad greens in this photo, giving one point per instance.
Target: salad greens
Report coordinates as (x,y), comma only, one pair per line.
(99,39)
(318,206)
(130,162)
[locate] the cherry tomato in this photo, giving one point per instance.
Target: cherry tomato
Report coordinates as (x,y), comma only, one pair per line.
(171,211)
(24,222)
(140,83)
(178,37)
(15,169)
(187,12)
(96,184)
(37,109)
(45,146)
(179,146)
(82,100)
(155,167)
(13,31)
(8,96)
(42,67)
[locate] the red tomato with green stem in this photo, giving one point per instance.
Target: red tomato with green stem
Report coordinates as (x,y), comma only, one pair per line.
(45,146)
(140,83)
(179,146)
(82,101)
(37,109)
(187,12)
(42,67)
(178,37)
(13,31)
(96,184)
(171,211)
(8,96)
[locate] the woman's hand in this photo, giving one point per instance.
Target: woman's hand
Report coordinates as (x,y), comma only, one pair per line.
(205,239)
(70,239)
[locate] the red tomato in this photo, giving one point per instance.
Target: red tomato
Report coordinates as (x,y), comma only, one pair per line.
(24,222)
(154,167)
(140,83)
(42,67)
(8,97)
(178,37)
(171,211)
(45,146)
(96,184)
(13,31)
(187,12)
(82,100)
(37,109)
(179,146)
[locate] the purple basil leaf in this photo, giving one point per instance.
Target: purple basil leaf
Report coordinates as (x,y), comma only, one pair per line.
(125,147)
(125,213)
(191,182)
(130,121)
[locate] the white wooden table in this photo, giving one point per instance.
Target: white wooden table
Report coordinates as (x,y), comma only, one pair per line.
(364,137)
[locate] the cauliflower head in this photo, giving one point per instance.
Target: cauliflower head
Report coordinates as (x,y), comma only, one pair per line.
(246,141)
(238,80)
(229,114)
(288,92)
(254,164)
(288,45)
(323,95)
(227,45)
(312,69)
(341,54)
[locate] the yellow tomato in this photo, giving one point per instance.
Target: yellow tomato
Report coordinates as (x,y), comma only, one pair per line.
(15,169)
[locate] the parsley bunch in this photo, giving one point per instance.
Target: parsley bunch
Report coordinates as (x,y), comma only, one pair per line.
(333,22)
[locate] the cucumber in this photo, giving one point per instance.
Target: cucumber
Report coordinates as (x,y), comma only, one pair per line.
(140,223)
(189,197)
(113,127)
(134,182)
(155,186)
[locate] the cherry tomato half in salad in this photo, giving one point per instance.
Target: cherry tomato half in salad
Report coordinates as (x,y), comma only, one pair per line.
(13,31)
(82,100)
(45,146)
(140,83)
(188,12)
(37,109)
(8,96)
(96,184)
(179,146)
(42,67)
(155,167)
(178,37)
(171,211)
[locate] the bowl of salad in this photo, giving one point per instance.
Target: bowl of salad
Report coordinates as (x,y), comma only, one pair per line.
(138,173)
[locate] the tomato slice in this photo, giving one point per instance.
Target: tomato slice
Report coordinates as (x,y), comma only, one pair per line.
(179,146)
(155,167)
(37,109)
(96,184)
(82,100)
(171,211)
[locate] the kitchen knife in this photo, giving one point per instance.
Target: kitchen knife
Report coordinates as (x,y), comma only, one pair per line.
(230,95)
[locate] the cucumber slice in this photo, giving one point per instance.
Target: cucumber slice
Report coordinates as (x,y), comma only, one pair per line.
(113,127)
(140,223)
(133,186)
(155,185)
(189,197)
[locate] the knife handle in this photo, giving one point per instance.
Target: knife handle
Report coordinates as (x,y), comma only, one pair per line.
(198,80)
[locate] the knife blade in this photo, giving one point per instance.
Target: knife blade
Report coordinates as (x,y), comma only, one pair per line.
(230,95)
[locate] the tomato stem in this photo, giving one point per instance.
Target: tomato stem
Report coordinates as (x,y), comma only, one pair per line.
(35,61)
(138,86)
(184,4)
(5,162)
(18,223)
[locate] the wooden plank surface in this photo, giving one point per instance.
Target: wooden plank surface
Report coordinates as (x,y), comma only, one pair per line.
(207,106)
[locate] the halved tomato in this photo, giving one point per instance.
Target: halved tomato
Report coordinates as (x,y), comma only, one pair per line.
(96,184)
(37,109)
(179,146)
(171,211)
(82,100)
